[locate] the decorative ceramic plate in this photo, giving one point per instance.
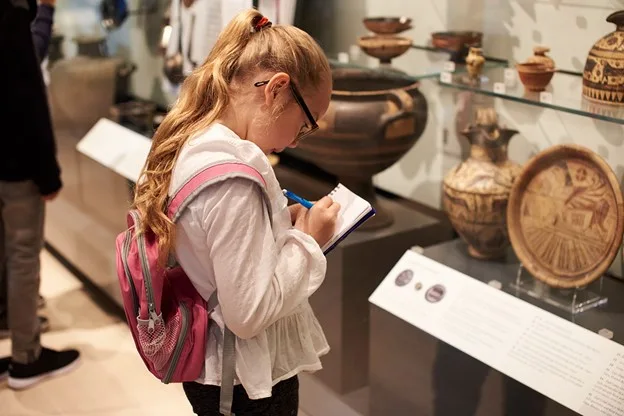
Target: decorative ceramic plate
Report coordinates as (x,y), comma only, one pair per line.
(565,216)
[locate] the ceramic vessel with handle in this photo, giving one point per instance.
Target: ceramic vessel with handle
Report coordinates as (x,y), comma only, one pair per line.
(373,119)
(603,76)
(83,88)
(476,192)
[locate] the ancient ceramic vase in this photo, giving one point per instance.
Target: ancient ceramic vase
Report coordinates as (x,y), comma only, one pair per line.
(474,62)
(603,76)
(384,47)
(476,192)
(535,76)
(84,87)
(540,57)
(373,119)
(387,25)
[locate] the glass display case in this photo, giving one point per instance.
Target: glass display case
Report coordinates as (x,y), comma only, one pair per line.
(458,101)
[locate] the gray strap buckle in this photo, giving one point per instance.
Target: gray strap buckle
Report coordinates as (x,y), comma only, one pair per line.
(228,363)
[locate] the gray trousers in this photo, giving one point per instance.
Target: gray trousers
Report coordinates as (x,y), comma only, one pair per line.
(22,212)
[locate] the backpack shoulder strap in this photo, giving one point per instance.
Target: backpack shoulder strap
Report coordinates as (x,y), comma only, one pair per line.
(207,177)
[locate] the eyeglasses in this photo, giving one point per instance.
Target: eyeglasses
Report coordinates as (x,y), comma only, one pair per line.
(307,129)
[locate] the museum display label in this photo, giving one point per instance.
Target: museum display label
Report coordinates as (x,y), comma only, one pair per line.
(580,369)
(116,147)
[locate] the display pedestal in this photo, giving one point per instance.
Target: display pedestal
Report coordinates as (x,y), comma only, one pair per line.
(572,301)
(354,269)
(414,373)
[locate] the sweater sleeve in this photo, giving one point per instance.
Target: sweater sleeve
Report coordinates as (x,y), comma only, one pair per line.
(259,279)
(41,29)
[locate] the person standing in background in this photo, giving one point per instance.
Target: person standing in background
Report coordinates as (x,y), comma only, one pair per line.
(29,176)
(41,29)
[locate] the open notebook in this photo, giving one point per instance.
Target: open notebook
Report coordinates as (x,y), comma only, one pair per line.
(354,211)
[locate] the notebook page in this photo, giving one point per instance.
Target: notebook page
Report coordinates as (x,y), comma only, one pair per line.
(352,209)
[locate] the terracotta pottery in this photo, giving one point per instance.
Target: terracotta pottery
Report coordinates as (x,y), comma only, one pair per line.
(387,25)
(603,76)
(540,57)
(457,42)
(373,119)
(535,77)
(566,216)
(83,88)
(476,192)
(474,62)
(385,48)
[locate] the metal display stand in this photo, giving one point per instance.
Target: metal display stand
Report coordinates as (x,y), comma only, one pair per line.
(573,301)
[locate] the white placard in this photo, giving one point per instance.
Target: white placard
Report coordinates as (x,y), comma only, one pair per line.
(343,57)
(499,88)
(116,147)
(561,360)
(546,97)
(510,77)
(446,77)
(449,66)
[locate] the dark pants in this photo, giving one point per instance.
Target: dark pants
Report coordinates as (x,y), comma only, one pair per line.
(21,240)
(284,400)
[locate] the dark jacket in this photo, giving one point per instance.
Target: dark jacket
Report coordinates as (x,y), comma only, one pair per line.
(28,150)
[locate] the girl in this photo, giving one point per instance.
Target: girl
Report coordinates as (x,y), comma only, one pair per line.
(261,89)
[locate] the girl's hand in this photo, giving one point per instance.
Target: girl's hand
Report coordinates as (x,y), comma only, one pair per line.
(320,220)
(295,211)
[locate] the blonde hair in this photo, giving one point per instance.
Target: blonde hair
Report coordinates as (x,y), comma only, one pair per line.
(239,53)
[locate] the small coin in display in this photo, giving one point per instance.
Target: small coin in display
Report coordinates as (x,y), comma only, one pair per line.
(418,286)
(404,278)
(435,293)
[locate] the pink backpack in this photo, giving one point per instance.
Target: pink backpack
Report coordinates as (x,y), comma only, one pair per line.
(168,318)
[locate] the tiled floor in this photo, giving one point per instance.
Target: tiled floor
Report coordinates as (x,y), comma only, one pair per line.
(111,380)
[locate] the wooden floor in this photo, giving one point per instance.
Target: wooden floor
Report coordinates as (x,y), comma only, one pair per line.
(111,380)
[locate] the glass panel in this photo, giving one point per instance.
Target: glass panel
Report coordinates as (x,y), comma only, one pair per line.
(563,93)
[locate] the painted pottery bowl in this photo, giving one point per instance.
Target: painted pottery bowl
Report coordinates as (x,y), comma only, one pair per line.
(385,48)
(535,76)
(387,25)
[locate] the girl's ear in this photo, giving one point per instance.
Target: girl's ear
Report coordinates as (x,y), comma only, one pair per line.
(278,83)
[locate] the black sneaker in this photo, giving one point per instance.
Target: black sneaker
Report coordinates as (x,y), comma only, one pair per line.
(50,364)
(4,367)
(44,326)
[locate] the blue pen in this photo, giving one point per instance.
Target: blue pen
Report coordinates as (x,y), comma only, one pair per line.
(297,199)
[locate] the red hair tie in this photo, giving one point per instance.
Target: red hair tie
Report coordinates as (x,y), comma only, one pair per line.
(261,23)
